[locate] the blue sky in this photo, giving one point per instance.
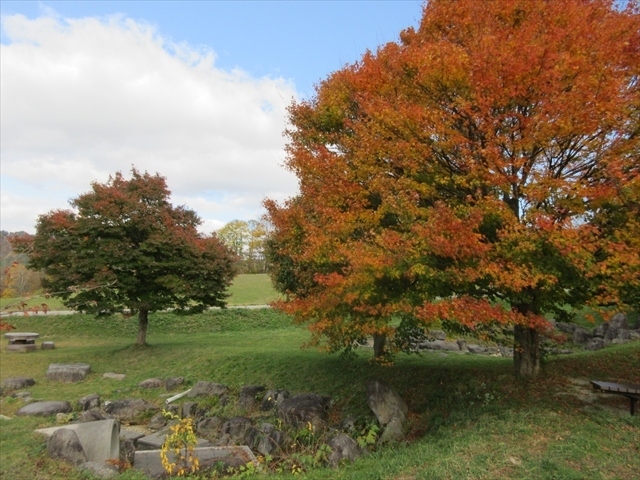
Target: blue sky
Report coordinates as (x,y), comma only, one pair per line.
(196,91)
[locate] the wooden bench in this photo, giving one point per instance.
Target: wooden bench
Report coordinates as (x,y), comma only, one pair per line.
(632,392)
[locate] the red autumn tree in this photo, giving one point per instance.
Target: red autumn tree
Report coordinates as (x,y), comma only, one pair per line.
(125,247)
(453,176)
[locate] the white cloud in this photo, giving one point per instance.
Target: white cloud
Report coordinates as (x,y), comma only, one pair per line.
(84,98)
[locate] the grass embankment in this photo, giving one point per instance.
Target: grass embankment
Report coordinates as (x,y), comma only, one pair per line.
(469,418)
(254,289)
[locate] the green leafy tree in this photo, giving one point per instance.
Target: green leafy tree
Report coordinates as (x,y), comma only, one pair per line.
(235,235)
(125,247)
(246,239)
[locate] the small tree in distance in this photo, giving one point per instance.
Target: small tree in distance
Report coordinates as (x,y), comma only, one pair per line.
(246,239)
(127,248)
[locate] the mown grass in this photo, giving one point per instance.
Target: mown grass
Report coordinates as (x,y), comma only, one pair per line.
(469,417)
(246,289)
(252,289)
(14,304)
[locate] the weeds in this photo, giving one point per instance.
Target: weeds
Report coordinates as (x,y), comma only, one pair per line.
(181,443)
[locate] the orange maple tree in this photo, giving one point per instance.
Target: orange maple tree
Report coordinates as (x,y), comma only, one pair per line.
(455,175)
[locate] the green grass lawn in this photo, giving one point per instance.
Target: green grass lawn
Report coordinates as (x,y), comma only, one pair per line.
(252,289)
(246,289)
(469,417)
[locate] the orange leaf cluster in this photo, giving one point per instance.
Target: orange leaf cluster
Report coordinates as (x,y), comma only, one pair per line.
(474,171)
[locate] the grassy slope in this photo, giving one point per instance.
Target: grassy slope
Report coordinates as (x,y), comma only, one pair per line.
(255,289)
(469,417)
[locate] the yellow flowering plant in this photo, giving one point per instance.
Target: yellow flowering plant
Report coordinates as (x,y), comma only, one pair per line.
(181,442)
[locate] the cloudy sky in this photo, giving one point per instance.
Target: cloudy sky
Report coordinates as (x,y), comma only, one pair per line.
(196,91)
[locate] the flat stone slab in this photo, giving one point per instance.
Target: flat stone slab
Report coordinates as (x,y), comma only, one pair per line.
(45,408)
(131,434)
(22,347)
(149,461)
(17,383)
(21,336)
(21,341)
(154,441)
(68,372)
(114,376)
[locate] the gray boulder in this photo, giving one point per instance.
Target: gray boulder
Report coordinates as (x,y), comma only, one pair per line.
(17,383)
(208,427)
(600,330)
(580,336)
(64,444)
(208,389)
(129,410)
(389,408)
(595,343)
(272,398)
(343,448)
(440,345)
(249,395)
(89,401)
(477,349)
(624,335)
(305,407)
(618,322)
(100,470)
(505,351)
(157,422)
(269,439)
(188,409)
(173,383)
(24,395)
(68,373)
(93,415)
(437,334)
(127,450)
(151,383)
(239,431)
(44,408)
(566,327)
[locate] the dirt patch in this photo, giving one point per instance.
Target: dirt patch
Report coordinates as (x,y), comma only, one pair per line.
(582,390)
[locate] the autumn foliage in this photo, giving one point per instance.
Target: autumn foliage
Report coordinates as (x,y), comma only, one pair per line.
(124,247)
(481,171)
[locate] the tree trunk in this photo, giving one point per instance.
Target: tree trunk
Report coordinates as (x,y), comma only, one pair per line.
(379,342)
(143,321)
(526,351)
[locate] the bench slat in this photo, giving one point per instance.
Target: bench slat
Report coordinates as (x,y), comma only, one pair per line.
(616,387)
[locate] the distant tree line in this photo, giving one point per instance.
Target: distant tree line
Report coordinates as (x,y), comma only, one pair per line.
(247,240)
(16,279)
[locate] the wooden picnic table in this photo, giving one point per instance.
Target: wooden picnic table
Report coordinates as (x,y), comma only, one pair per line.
(632,392)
